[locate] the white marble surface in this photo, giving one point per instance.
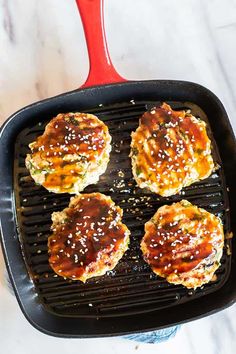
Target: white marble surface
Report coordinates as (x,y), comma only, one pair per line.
(43,53)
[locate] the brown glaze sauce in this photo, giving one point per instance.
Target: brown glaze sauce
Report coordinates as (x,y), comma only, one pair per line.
(92,226)
(64,135)
(174,250)
(198,137)
(173,140)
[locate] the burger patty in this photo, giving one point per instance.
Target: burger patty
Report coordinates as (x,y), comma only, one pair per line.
(170,150)
(71,154)
(88,237)
(183,243)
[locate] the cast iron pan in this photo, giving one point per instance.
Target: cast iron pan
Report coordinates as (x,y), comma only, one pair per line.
(130,298)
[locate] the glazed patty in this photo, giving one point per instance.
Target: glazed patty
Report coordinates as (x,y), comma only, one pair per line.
(88,237)
(183,243)
(170,150)
(71,154)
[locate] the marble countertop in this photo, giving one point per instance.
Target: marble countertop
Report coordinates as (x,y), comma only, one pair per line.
(43,53)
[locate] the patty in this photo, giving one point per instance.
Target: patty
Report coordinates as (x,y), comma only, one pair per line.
(183,243)
(71,154)
(88,237)
(170,150)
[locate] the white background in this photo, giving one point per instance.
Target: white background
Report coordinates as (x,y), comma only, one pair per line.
(43,53)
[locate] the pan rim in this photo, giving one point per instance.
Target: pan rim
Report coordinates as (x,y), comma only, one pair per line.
(107,86)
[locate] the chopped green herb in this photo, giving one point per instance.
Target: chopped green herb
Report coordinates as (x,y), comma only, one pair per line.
(134,151)
(185,203)
(36,172)
(72,120)
(138,171)
(183,133)
(29,165)
(83,158)
(198,216)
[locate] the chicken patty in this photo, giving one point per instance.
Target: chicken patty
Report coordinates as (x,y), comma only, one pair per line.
(170,150)
(183,243)
(71,154)
(88,237)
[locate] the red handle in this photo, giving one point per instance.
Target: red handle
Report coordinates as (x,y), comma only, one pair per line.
(101,70)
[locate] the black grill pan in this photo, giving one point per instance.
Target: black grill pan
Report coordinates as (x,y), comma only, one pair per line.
(130,298)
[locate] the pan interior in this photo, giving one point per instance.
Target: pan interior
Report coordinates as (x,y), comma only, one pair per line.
(131,287)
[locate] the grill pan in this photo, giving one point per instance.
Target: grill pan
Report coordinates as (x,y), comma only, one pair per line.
(130,298)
